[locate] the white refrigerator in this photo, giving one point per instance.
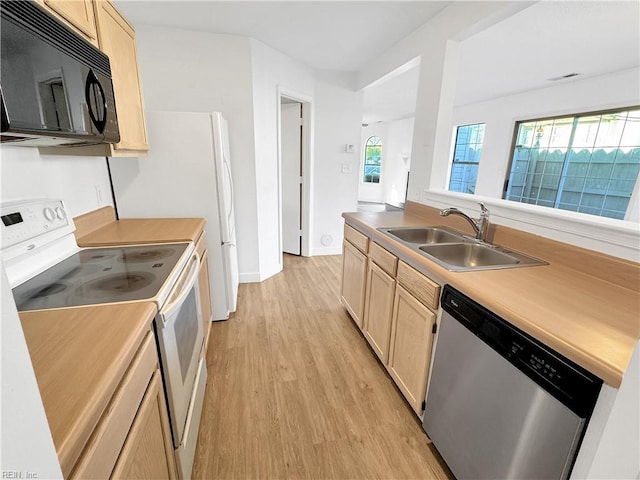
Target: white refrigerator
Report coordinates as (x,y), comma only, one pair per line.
(187,174)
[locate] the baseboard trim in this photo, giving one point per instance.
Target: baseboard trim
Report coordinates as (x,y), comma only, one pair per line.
(326,251)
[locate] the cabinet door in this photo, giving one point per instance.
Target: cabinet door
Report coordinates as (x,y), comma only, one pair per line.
(78,14)
(378,310)
(148,451)
(354,273)
(205,296)
(117,40)
(411,341)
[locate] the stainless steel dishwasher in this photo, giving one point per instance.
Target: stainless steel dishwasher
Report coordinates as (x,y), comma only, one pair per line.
(502,405)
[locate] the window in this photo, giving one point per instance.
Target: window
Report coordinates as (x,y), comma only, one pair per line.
(585,163)
(466,157)
(372,158)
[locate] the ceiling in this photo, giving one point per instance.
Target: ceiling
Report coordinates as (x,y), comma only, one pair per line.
(393,99)
(325,35)
(546,40)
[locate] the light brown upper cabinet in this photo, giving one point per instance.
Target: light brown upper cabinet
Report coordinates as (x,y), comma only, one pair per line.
(77,14)
(116,38)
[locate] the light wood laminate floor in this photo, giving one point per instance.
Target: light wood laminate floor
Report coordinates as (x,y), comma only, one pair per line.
(295,392)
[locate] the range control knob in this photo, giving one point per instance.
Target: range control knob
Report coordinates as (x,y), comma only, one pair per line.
(49,214)
(60,213)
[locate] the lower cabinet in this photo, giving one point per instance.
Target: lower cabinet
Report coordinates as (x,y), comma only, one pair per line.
(410,346)
(395,306)
(354,275)
(378,310)
(148,450)
(133,437)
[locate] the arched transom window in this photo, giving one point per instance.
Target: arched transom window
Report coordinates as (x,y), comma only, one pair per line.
(372,160)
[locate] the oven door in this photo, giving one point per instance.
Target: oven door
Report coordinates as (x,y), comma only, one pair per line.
(180,338)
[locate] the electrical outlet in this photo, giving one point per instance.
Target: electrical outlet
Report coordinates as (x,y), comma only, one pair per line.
(346,168)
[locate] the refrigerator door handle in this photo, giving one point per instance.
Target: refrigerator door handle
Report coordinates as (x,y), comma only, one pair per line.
(228,170)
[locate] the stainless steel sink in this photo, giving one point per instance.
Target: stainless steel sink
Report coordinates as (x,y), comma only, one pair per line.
(457,252)
(468,255)
(424,235)
(476,256)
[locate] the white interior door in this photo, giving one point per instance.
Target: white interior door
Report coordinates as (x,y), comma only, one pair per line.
(291,143)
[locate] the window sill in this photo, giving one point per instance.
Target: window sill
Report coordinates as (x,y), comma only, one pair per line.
(613,237)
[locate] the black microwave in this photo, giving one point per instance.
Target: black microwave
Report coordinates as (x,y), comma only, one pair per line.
(55,87)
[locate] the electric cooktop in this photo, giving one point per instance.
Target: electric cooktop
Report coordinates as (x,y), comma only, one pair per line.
(101,275)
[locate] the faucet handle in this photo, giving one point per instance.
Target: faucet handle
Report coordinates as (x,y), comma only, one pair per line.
(484,211)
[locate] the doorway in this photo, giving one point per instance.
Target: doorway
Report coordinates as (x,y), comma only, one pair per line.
(291,174)
(389,106)
(294,151)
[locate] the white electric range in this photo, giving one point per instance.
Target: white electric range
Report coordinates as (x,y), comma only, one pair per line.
(46,270)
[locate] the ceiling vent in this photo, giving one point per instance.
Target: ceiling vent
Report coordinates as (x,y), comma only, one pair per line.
(562,77)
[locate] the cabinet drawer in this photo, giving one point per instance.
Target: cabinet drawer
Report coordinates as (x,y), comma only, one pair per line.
(103,448)
(387,261)
(421,287)
(358,239)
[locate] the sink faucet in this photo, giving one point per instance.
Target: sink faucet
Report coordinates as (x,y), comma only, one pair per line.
(480,226)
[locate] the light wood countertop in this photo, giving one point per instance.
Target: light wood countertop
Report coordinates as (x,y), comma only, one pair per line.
(593,320)
(79,356)
(130,231)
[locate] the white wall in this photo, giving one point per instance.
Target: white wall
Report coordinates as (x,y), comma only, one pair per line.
(611,446)
(83,182)
(190,71)
(26,444)
(271,70)
(618,452)
(338,120)
(195,71)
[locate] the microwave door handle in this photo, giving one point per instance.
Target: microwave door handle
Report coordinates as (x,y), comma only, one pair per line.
(167,310)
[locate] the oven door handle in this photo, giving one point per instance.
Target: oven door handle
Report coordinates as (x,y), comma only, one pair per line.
(176,300)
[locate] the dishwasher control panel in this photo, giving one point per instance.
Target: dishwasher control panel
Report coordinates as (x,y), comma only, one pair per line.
(559,376)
